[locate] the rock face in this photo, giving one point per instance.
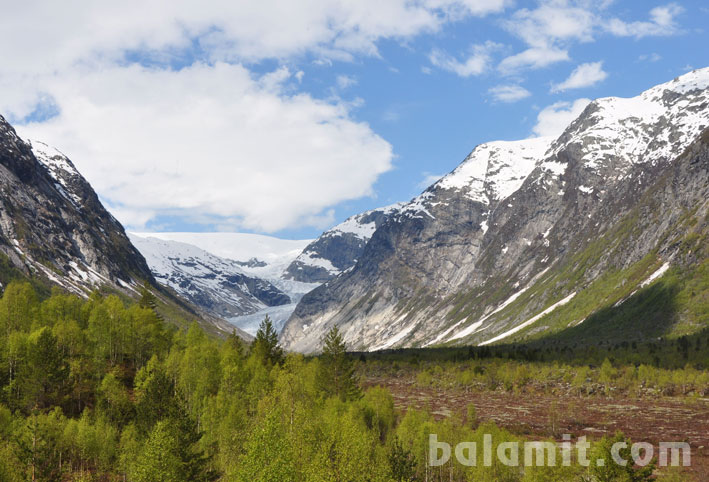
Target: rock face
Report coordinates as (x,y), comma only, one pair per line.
(53,225)
(337,249)
(521,230)
(215,284)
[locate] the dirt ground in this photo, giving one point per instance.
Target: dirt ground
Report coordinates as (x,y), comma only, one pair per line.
(642,419)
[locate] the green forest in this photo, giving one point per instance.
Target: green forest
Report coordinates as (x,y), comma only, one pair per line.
(104,389)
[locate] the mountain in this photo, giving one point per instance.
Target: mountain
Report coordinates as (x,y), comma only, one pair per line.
(541,237)
(53,225)
(54,231)
(204,266)
(337,249)
(259,255)
(216,284)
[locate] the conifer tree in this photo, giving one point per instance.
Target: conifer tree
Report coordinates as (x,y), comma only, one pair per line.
(265,346)
(336,374)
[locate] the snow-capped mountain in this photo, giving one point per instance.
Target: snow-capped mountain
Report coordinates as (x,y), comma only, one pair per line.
(259,255)
(54,230)
(216,284)
(239,276)
(337,249)
(52,224)
(523,234)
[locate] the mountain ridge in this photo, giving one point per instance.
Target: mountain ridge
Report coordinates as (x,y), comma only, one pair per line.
(421,271)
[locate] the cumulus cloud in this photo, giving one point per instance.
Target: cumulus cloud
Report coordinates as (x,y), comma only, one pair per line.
(509,93)
(547,30)
(211,143)
(553,119)
(197,135)
(54,35)
(475,64)
(554,25)
(662,23)
(585,75)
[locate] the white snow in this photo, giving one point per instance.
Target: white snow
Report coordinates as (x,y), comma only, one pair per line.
(495,170)
(58,166)
(469,330)
(660,271)
(483,226)
(529,321)
(396,338)
(586,190)
(627,127)
(275,252)
(174,261)
(355,224)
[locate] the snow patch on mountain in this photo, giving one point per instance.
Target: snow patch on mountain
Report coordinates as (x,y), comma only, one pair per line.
(216,284)
(59,167)
(652,126)
(338,249)
(530,321)
(274,253)
(495,170)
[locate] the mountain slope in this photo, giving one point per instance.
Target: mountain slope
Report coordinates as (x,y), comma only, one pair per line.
(522,230)
(257,256)
(218,285)
(55,231)
(337,249)
(52,223)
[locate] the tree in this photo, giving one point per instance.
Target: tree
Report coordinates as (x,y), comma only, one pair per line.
(401,462)
(114,400)
(159,460)
(147,298)
(610,471)
(336,374)
(265,346)
(156,400)
(46,371)
(17,307)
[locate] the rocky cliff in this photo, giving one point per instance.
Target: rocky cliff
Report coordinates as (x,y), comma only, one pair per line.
(337,249)
(531,237)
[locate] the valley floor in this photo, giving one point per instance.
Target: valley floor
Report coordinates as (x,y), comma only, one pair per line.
(534,414)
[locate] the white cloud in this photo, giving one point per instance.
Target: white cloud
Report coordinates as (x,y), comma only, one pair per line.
(553,119)
(550,29)
(552,21)
(210,141)
(533,58)
(56,36)
(212,144)
(547,30)
(585,75)
(509,93)
(345,81)
(475,64)
(662,23)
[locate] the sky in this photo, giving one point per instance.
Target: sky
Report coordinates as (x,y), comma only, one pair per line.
(284,118)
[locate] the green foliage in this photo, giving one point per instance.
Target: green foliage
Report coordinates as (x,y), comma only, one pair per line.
(159,460)
(337,376)
(265,346)
(101,389)
(609,470)
(401,462)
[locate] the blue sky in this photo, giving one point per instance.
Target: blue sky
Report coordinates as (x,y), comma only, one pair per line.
(288,119)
